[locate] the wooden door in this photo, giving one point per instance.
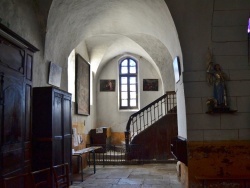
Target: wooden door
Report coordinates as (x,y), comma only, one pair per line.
(62,127)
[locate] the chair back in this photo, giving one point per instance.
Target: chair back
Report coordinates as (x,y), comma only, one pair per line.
(18,181)
(42,178)
(61,175)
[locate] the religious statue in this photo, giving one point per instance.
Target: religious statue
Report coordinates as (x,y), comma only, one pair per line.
(217,78)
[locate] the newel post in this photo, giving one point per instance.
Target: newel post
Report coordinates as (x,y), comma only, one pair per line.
(127,138)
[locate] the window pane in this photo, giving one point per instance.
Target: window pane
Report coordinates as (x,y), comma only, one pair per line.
(132,102)
(132,88)
(132,69)
(132,80)
(124,95)
(133,95)
(124,80)
(124,63)
(132,63)
(124,88)
(124,102)
(124,70)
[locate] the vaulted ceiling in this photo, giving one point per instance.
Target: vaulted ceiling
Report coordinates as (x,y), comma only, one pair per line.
(110,28)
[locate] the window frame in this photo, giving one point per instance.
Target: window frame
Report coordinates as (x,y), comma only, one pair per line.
(128,75)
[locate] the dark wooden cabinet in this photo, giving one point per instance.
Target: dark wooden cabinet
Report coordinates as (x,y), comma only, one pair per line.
(101,138)
(16,62)
(51,127)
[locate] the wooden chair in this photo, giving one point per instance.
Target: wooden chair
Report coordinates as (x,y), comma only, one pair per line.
(61,175)
(21,180)
(42,178)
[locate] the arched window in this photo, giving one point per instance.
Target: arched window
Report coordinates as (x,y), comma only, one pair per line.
(128,84)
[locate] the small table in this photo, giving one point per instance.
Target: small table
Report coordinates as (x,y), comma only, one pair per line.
(79,153)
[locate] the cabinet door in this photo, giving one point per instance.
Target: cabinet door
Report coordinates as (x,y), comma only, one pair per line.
(67,129)
(11,121)
(57,128)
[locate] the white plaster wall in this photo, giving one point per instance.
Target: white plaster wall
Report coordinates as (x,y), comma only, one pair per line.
(108,113)
(82,49)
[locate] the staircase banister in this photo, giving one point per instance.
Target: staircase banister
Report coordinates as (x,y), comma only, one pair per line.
(165,104)
(128,123)
(145,108)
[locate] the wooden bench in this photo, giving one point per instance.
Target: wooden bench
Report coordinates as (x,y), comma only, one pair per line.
(79,156)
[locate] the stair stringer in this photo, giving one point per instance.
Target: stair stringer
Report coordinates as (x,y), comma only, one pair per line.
(155,140)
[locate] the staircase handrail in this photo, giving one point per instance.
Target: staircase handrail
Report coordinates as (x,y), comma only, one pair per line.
(170,107)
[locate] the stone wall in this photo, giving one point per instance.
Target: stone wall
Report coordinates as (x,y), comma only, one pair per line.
(215,139)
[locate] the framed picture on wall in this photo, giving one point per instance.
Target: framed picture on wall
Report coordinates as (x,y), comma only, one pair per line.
(55,73)
(82,86)
(150,84)
(107,85)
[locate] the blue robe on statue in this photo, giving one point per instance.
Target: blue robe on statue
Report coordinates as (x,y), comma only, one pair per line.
(219,93)
(218,79)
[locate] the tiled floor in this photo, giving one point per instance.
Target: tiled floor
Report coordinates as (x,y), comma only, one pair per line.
(135,176)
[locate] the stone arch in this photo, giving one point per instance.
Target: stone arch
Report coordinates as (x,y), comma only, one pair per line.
(146,23)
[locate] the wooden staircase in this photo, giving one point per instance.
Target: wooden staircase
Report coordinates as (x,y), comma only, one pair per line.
(152,128)
(148,136)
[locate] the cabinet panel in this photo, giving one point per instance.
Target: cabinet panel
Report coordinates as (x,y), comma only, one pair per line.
(67,149)
(67,116)
(28,90)
(57,115)
(12,159)
(12,110)
(27,156)
(11,56)
(40,159)
(29,64)
(58,151)
(11,123)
